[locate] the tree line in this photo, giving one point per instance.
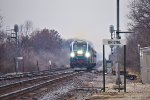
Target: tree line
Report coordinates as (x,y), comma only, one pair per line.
(139,16)
(36,47)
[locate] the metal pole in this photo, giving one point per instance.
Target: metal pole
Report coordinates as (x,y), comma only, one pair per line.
(17,51)
(118,80)
(23,65)
(15,64)
(117,18)
(103,68)
(38,65)
(124,68)
(111,46)
(139,55)
(50,64)
(17,47)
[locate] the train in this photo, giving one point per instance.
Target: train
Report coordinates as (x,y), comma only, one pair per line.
(82,55)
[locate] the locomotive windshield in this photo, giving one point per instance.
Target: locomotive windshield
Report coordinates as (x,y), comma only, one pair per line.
(79,46)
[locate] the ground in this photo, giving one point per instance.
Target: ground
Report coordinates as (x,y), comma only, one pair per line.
(135,91)
(88,86)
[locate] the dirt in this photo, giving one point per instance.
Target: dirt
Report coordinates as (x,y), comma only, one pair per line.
(92,83)
(135,91)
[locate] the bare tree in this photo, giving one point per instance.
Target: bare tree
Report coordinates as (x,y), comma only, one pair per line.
(21,28)
(46,40)
(1,21)
(28,27)
(139,16)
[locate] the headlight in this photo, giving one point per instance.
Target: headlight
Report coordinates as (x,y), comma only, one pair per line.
(87,54)
(80,52)
(72,54)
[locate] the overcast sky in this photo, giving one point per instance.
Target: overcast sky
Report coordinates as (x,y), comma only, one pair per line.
(86,19)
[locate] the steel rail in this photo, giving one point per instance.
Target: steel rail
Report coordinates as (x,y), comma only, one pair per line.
(31,88)
(11,85)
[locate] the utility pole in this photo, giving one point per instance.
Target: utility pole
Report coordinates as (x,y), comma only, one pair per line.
(118,79)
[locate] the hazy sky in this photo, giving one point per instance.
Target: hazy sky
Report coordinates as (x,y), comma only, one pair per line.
(87,19)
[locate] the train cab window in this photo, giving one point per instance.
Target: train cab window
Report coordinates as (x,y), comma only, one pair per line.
(80,47)
(89,48)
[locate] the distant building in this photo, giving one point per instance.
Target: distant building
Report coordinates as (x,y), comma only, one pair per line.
(145,64)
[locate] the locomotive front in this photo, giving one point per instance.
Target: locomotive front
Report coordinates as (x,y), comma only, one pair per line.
(80,55)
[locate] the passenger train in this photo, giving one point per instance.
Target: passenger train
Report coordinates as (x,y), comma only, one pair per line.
(82,55)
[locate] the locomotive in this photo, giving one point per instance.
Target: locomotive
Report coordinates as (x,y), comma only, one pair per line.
(82,55)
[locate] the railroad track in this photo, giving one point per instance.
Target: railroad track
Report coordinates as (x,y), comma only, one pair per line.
(27,86)
(12,76)
(29,75)
(25,83)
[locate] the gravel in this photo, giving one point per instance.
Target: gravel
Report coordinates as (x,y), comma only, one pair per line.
(53,95)
(68,90)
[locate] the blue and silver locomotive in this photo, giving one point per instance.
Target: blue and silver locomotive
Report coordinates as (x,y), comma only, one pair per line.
(82,55)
